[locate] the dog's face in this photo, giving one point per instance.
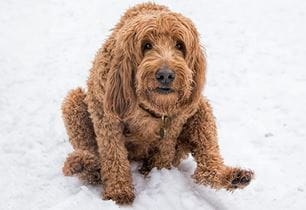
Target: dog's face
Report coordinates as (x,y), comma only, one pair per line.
(162,64)
(163,77)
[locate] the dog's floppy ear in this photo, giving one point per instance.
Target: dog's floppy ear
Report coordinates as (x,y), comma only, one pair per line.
(195,58)
(199,68)
(197,63)
(120,96)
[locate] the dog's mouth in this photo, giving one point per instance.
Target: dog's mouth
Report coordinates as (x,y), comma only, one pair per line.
(164,90)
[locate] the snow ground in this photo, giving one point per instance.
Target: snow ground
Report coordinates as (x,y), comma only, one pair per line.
(256,83)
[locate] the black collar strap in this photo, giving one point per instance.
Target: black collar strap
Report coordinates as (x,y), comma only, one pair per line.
(152,113)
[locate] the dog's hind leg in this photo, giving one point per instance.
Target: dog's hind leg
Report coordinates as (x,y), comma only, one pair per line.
(77,121)
(84,160)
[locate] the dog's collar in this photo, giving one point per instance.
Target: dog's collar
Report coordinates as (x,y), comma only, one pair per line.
(152,113)
(164,120)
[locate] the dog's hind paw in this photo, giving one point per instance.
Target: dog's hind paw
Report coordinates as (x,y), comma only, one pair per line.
(72,165)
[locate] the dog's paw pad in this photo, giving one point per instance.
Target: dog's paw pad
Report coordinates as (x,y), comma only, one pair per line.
(240,179)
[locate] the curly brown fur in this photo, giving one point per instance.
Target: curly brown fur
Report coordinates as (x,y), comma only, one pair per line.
(125,115)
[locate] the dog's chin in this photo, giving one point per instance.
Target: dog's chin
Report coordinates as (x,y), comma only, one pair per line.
(164,96)
(158,96)
(160,100)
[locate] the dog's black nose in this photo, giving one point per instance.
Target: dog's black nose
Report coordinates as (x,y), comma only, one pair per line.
(165,76)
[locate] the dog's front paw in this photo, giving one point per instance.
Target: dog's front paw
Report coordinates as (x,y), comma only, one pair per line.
(239,178)
(121,195)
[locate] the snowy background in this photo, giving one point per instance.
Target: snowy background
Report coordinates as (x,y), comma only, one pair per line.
(256,83)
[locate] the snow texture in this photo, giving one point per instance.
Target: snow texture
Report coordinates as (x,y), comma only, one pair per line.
(256,52)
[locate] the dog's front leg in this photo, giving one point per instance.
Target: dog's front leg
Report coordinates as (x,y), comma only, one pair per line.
(164,153)
(202,135)
(162,157)
(115,166)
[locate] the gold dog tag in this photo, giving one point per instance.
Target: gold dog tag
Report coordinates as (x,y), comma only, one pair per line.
(162,130)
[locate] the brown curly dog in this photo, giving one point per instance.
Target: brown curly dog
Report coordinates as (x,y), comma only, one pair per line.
(144,104)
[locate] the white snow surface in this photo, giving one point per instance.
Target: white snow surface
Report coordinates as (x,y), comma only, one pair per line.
(256,82)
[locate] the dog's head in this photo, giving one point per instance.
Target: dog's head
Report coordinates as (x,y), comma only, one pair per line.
(158,63)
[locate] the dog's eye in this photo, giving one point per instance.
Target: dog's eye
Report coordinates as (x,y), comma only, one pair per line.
(146,46)
(180,46)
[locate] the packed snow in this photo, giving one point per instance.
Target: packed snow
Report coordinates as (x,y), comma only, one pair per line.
(256,82)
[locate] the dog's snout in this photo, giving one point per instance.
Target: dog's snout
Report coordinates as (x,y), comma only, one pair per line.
(165,76)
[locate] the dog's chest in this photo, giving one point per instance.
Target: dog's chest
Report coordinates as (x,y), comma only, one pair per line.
(144,133)
(144,129)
